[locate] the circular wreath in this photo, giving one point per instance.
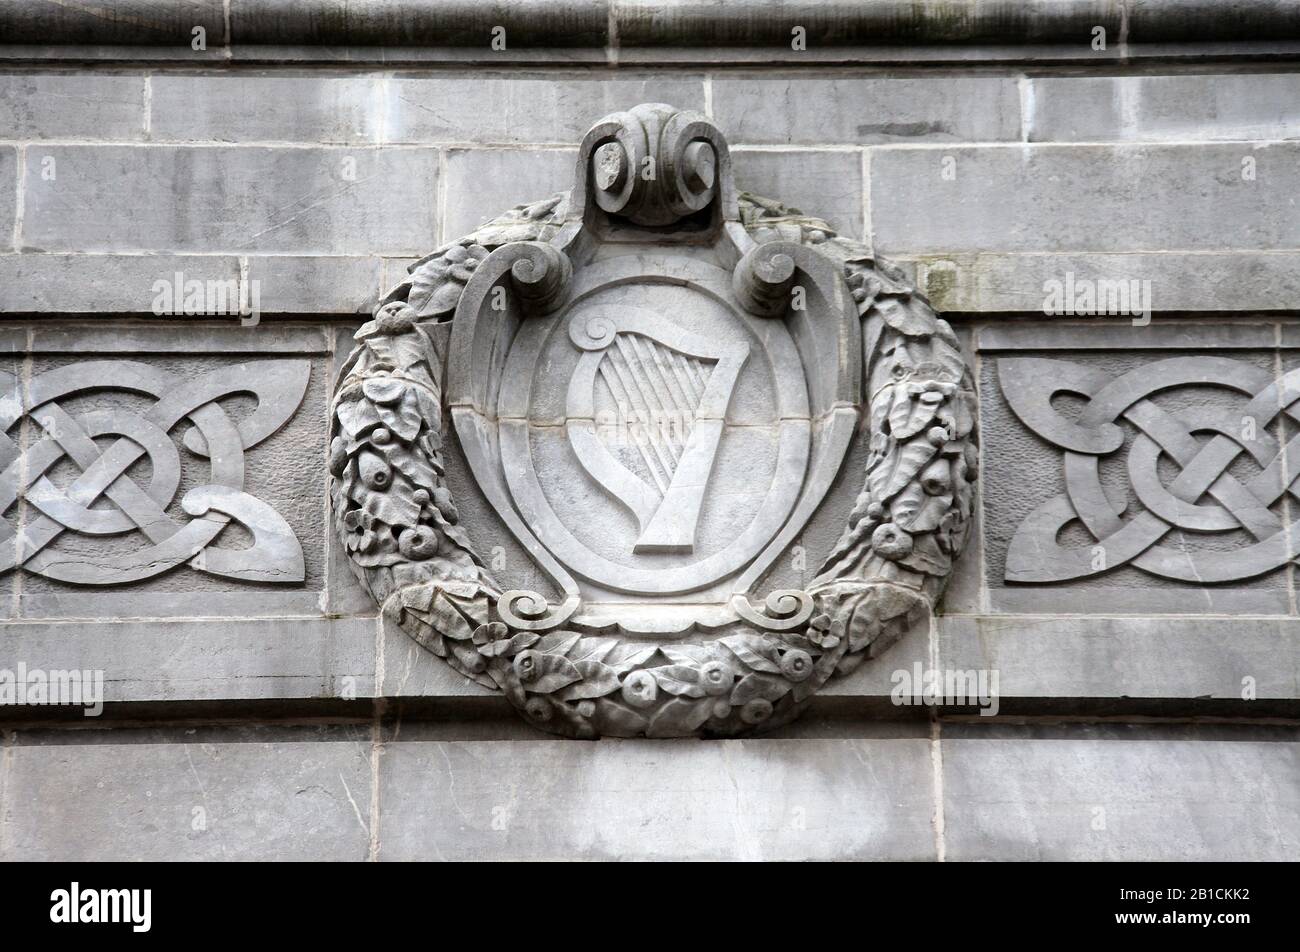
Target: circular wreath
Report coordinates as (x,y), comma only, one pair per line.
(401,532)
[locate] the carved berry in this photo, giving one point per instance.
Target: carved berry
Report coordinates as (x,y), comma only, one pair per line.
(796,665)
(418,542)
(716,677)
(891,542)
(640,689)
(527,665)
(539,709)
(756,711)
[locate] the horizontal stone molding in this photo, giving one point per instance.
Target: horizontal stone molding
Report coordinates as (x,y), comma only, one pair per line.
(1168,667)
(336,28)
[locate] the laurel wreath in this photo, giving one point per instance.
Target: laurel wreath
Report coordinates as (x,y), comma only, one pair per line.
(400,528)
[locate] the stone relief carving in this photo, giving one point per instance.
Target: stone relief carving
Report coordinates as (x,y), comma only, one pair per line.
(655,381)
(1203,497)
(104,444)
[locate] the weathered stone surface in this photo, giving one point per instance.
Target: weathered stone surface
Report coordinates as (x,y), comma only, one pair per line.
(266,107)
(8,192)
(1100,657)
(288,284)
(251,659)
(1098,793)
(77,105)
(1207,281)
(100,284)
(801,110)
(170,794)
(482,183)
(825,185)
(1186,108)
(232,200)
(518,107)
(1050,198)
(351,108)
(668,800)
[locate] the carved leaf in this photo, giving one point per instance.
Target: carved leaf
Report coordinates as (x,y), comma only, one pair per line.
(740,646)
(899,468)
(908,416)
(591,649)
(679,679)
(558,642)
(555,673)
(618,721)
(758,685)
(448,620)
(597,680)
(629,657)
(686,654)
(679,716)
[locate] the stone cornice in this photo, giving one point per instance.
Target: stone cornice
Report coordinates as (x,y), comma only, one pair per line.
(640,30)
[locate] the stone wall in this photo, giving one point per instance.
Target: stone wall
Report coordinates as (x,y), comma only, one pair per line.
(1147,708)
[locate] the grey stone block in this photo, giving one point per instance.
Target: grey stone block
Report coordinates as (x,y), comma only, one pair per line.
(233,200)
(409,671)
(522,108)
(72,105)
(1155,108)
(797,109)
(288,284)
(100,284)
(678,800)
(1106,794)
(1211,281)
(1084,198)
(244,793)
(827,185)
(204,660)
(256,106)
(483,183)
(9,185)
(1113,333)
(1099,657)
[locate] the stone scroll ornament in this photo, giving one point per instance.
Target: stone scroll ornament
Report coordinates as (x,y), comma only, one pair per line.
(654,382)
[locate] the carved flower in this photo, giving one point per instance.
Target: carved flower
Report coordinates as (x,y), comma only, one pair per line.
(819,632)
(640,689)
(361,536)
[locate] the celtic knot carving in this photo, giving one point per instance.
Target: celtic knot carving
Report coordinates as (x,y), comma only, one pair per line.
(106,446)
(1208,494)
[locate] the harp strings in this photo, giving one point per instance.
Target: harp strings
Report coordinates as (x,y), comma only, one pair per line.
(657,391)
